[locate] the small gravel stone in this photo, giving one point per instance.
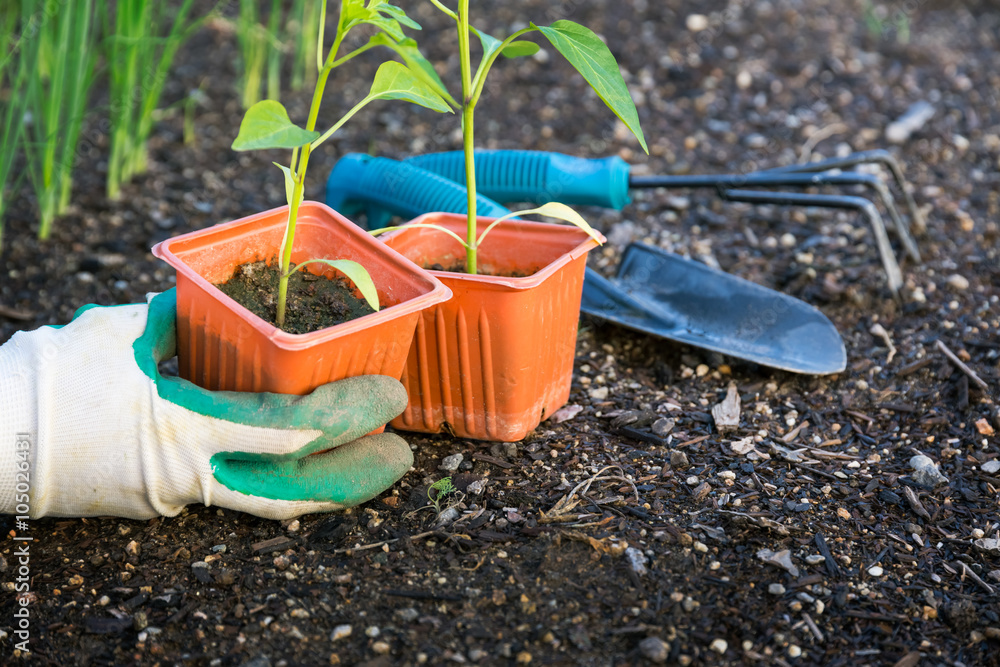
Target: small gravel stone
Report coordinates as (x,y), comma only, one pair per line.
(957,282)
(782,559)
(776,589)
(599,393)
(341,632)
(372,631)
(991,467)
(408,615)
(636,560)
(788,240)
(678,459)
(696,22)
(989,545)
(926,473)
(654,649)
(663,426)
(381,648)
(794,651)
(719,645)
(875,570)
(132,548)
(915,118)
(815,559)
(692,480)
(451,463)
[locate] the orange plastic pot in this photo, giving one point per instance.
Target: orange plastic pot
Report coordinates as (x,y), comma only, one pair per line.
(497,358)
(223,346)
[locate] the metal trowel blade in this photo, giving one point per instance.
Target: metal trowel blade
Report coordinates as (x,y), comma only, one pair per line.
(671,297)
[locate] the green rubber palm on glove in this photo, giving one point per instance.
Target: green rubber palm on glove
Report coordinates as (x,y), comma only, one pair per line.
(107,434)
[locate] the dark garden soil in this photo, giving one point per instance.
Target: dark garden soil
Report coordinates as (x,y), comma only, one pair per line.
(459,267)
(313,302)
(802,537)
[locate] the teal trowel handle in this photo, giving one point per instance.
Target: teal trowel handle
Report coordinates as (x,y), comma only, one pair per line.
(537,176)
(381,188)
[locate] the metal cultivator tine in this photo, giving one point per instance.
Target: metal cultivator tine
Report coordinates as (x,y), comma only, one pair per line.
(877,156)
(829,172)
(804,179)
(864,206)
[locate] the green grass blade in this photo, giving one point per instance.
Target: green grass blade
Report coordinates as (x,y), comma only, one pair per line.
(144,38)
(62,54)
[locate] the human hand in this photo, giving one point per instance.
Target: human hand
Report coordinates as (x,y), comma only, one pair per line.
(109,435)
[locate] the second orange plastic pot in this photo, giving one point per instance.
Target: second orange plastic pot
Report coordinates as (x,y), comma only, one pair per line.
(497,358)
(223,346)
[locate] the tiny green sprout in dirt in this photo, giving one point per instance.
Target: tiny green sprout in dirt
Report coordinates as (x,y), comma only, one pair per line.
(438,490)
(880,24)
(582,48)
(267,125)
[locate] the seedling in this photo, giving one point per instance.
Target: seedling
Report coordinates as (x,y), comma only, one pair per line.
(14,73)
(143,39)
(267,125)
(61,49)
(583,49)
(438,490)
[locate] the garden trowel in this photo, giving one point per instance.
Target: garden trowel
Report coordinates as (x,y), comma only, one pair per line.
(656,292)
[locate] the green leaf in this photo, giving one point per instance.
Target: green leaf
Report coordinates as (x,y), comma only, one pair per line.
(394,81)
(520,48)
(415,60)
(399,14)
(592,59)
(377,13)
(383,230)
(553,210)
(267,125)
(289,183)
(356,273)
(490,44)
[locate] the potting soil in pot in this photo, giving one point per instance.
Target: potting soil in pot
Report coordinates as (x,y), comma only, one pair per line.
(314,302)
(459,267)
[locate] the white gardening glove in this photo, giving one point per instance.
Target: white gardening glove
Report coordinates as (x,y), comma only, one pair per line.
(103,433)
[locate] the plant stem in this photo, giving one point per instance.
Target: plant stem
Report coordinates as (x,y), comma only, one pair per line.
(468,136)
(293,207)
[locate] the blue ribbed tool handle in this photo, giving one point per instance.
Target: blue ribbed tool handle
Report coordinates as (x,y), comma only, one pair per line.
(382,187)
(537,176)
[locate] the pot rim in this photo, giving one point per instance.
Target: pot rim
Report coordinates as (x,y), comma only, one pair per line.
(436,291)
(509,227)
